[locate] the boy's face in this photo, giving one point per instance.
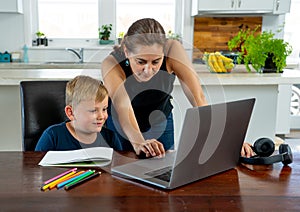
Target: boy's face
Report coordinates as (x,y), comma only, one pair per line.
(90,116)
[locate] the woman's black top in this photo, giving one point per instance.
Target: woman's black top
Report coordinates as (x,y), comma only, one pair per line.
(148,98)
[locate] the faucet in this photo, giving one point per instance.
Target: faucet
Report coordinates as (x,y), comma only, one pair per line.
(79,53)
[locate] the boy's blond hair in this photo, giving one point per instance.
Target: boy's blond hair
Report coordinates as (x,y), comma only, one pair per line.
(84,88)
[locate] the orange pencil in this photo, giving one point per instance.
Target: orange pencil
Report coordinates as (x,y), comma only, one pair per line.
(55,182)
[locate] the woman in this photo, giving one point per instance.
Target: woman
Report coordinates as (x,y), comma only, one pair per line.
(139,76)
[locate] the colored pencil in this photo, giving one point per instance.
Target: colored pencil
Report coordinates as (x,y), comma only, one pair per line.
(73,177)
(58,176)
(87,173)
(55,182)
(81,180)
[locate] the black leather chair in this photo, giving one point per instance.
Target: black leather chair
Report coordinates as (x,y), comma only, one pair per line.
(42,104)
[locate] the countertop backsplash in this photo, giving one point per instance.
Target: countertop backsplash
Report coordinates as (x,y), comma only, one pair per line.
(212,33)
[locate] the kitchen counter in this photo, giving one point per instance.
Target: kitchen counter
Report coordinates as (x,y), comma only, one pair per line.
(238,77)
(14,76)
(12,73)
(217,87)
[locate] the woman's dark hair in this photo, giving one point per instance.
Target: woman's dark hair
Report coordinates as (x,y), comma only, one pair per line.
(145,31)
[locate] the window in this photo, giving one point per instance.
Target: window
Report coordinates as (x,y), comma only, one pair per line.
(292,31)
(68,18)
(77,21)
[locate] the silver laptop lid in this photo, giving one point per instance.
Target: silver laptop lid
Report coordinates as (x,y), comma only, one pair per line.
(210,142)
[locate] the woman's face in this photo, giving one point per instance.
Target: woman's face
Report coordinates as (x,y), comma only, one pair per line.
(146,61)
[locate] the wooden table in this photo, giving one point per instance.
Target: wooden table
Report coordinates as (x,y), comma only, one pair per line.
(260,188)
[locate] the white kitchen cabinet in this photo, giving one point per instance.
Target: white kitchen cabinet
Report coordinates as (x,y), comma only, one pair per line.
(282,6)
(202,7)
(11,6)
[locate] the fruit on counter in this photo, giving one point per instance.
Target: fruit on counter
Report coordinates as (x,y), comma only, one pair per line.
(218,62)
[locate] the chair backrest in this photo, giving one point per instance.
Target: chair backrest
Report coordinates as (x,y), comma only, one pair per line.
(42,105)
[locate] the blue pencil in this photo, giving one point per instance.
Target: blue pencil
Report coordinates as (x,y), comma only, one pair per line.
(62,184)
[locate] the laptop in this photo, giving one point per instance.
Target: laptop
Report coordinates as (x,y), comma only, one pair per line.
(210,142)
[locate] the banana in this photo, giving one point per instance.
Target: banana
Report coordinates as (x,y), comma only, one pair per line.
(218,62)
(226,59)
(214,61)
(211,62)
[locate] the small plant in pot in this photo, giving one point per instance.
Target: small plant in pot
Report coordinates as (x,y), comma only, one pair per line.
(174,36)
(104,34)
(263,51)
(41,39)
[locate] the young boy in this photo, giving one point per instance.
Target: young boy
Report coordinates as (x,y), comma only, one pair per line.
(86,109)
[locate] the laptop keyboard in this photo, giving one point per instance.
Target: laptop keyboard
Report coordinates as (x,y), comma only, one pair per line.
(163,174)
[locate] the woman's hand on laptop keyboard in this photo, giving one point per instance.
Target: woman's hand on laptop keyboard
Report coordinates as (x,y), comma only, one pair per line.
(149,148)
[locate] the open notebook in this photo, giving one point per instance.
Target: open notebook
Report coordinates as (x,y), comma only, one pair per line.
(89,157)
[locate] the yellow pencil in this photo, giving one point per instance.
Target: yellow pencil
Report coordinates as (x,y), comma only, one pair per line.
(55,182)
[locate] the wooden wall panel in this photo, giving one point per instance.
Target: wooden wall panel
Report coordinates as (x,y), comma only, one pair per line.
(213,33)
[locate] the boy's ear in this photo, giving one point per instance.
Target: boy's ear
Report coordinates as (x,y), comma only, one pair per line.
(69,112)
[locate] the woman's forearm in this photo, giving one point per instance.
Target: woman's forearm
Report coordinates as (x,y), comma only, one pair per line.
(129,125)
(193,91)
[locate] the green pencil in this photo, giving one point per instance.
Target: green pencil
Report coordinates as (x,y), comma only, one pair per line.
(87,173)
(81,180)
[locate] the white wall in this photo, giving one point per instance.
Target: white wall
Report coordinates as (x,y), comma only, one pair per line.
(273,23)
(11,31)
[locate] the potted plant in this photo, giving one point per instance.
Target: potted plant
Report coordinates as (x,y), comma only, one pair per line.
(41,39)
(104,34)
(263,51)
(173,36)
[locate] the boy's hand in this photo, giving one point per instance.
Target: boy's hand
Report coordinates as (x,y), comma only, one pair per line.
(149,148)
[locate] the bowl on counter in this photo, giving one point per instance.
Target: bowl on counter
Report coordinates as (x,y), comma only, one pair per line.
(230,54)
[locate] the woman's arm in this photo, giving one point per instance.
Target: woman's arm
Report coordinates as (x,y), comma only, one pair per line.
(179,63)
(114,78)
